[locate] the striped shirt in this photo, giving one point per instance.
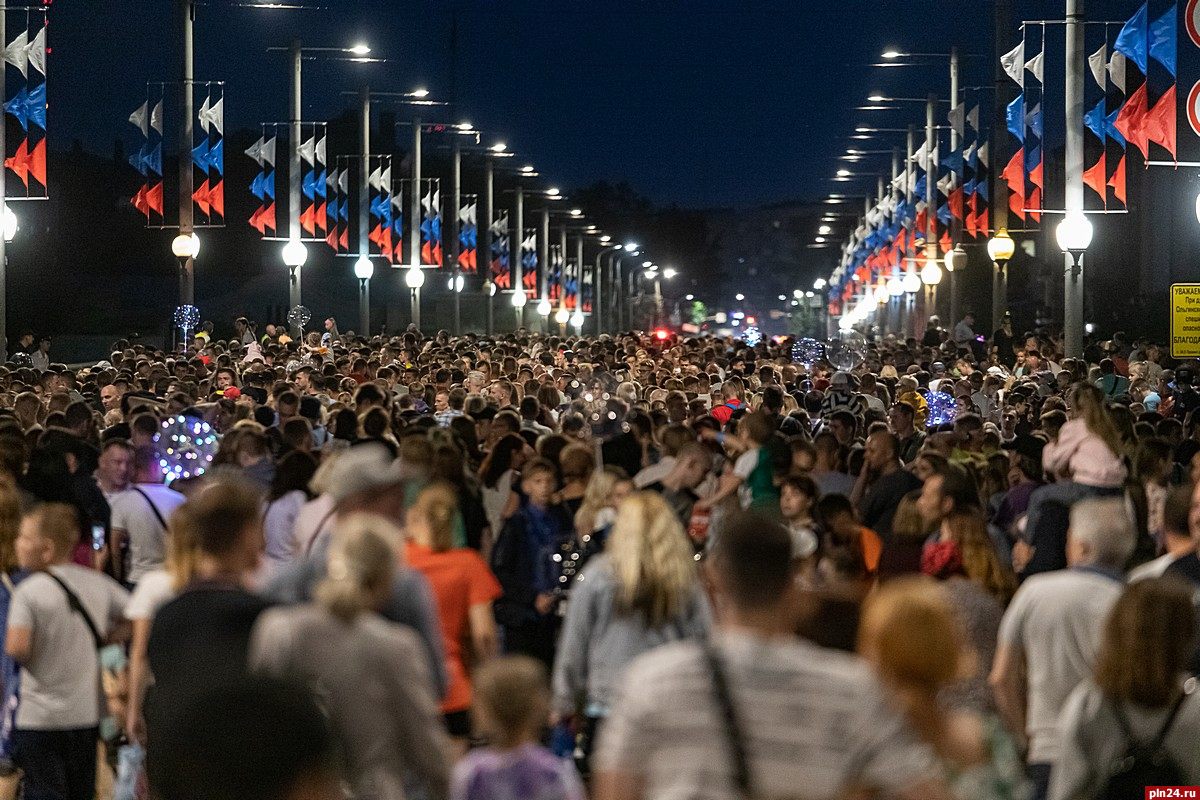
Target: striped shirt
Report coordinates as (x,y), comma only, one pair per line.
(815,721)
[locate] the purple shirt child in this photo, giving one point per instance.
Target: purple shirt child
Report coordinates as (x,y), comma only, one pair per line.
(528,772)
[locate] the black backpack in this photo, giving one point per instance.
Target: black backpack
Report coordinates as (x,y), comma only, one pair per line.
(1141,764)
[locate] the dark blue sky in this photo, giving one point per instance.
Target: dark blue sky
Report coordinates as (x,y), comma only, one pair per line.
(699,103)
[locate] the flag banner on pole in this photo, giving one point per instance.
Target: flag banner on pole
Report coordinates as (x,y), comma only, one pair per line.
(587,288)
(554,275)
(382,238)
(263,185)
(27,105)
(208,155)
(147,159)
(501,268)
(529,262)
(314,214)
(399,248)
(570,285)
(431,223)
(468,233)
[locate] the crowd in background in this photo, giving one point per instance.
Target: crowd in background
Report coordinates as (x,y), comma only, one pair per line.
(530,566)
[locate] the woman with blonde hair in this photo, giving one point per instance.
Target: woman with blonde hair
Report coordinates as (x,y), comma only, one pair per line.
(464,588)
(606,489)
(370,674)
(911,637)
(641,592)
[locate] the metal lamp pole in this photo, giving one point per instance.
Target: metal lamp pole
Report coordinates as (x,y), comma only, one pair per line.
(598,288)
(294,177)
(1073,194)
(455,244)
(485,234)
(414,222)
(364,221)
(187,16)
(517,267)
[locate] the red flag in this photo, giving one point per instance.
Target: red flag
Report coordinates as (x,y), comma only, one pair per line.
(319,216)
(374,236)
(332,240)
(37,163)
(1131,121)
(139,201)
(1014,174)
(946,243)
(1035,176)
(1016,204)
(263,218)
(386,242)
(956,203)
(344,241)
(1035,204)
(1117,181)
(308,222)
(19,163)
(971,229)
(202,198)
(1159,125)
(1094,178)
(154,198)
(982,224)
(426,254)
(921,223)
(217,198)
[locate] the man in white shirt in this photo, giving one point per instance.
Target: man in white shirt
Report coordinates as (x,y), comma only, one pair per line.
(808,717)
(1176,536)
(140,516)
(57,616)
(115,468)
(1051,631)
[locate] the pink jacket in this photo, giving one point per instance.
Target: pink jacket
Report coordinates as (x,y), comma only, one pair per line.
(1084,456)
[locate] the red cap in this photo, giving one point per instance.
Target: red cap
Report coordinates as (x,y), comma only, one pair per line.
(232,393)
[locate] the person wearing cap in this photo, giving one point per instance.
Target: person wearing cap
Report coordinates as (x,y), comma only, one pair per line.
(842,397)
(365,479)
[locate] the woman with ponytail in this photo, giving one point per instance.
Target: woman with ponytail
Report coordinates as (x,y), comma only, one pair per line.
(370,675)
(464,588)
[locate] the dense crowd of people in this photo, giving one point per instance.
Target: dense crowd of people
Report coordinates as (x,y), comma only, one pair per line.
(529,566)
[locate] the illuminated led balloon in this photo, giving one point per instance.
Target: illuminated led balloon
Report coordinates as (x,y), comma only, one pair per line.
(299,316)
(752,336)
(846,350)
(942,409)
(186,447)
(807,352)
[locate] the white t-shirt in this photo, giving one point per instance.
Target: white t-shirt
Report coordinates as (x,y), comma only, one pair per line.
(153,592)
(313,519)
(745,464)
(60,684)
(279,526)
(1056,620)
(147,536)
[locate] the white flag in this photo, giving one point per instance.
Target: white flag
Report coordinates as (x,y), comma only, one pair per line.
(1116,70)
(331,181)
(373,180)
(1035,66)
(385,178)
(17,52)
(957,117)
(202,116)
(319,151)
(268,150)
(37,50)
(344,182)
(156,115)
(921,155)
(307,150)
(255,151)
(1014,62)
(1096,62)
(213,115)
(464,215)
(138,119)
(973,119)
(983,154)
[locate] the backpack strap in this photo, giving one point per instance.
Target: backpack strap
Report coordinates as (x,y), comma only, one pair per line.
(729,716)
(157,514)
(77,606)
(1160,737)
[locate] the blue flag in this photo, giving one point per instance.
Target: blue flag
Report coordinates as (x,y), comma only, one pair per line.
(1015,117)
(1094,120)
(1131,41)
(1162,39)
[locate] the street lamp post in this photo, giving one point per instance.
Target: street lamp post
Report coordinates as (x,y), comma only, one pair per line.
(363,269)
(485,236)
(1075,232)
(294,180)
(187,16)
(415,279)
(598,289)
(414,226)
(294,256)
(1001,248)
(455,244)
(516,256)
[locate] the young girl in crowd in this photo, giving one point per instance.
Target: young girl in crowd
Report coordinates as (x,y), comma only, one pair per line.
(511,705)
(464,588)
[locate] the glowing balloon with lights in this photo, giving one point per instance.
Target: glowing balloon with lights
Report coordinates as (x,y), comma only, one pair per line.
(942,409)
(186,447)
(299,316)
(752,336)
(807,352)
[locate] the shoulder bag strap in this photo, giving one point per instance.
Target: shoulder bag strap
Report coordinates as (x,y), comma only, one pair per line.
(733,731)
(157,514)
(1157,744)
(317,533)
(77,606)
